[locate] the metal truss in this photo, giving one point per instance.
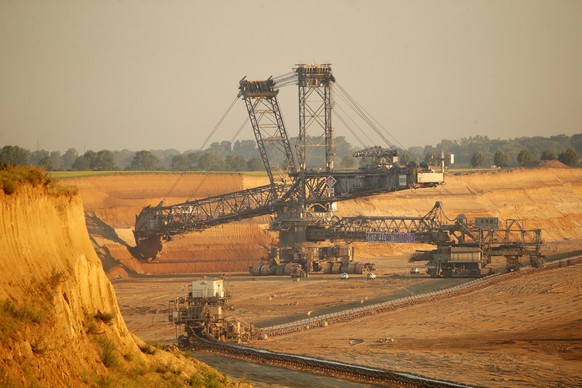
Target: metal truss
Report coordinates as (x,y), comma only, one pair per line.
(204,213)
(513,235)
(315,108)
(432,228)
(260,98)
(384,229)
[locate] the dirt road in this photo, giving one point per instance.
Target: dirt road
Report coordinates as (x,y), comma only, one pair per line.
(521,332)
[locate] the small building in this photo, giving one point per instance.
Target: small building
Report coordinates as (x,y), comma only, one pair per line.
(487,222)
(207,288)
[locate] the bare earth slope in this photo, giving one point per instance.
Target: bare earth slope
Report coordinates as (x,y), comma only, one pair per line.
(60,324)
(546,198)
(526,332)
(112,202)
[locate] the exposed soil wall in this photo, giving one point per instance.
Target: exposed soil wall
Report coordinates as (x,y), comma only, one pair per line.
(544,198)
(60,324)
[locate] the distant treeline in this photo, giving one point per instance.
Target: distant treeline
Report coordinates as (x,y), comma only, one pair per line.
(480,151)
(243,155)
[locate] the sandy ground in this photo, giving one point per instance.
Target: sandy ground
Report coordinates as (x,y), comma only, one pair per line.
(523,332)
(520,333)
(527,331)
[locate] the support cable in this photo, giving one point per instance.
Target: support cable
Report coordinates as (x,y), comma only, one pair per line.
(239,130)
(338,116)
(361,112)
(368,118)
(284,80)
(354,123)
(204,144)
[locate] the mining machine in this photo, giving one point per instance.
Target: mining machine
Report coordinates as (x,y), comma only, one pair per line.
(463,248)
(302,198)
(200,313)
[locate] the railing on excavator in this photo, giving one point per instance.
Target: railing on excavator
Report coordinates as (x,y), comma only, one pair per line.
(385,229)
(431,228)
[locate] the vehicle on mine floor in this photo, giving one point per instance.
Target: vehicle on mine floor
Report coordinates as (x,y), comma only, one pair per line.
(200,314)
(470,245)
(414,270)
(344,276)
(371,276)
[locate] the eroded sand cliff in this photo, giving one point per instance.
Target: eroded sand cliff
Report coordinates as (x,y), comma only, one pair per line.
(60,324)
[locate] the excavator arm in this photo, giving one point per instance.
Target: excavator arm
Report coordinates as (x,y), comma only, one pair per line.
(159,223)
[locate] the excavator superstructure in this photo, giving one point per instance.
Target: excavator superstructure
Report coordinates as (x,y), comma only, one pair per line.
(302,198)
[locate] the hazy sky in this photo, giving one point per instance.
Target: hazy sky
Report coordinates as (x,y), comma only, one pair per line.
(159,74)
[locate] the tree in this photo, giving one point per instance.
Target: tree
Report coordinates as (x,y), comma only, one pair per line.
(15,155)
(40,158)
(246,148)
(236,163)
(45,162)
(500,159)
(90,157)
(184,161)
(478,159)
(123,158)
(165,156)
(104,161)
(523,157)
(568,157)
(576,141)
(220,149)
(416,153)
(145,160)
(56,161)
(180,163)
(548,155)
(255,164)
(210,162)
(348,161)
(431,157)
(69,158)
(81,164)
(343,148)
(405,157)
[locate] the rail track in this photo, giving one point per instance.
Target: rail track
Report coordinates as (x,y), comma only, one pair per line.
(358,372)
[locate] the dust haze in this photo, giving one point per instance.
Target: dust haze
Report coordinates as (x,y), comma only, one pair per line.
(159,75)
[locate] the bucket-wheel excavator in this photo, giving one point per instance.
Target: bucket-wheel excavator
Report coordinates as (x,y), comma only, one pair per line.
(302,198)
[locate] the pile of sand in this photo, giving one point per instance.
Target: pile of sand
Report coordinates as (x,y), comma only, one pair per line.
(544,164)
